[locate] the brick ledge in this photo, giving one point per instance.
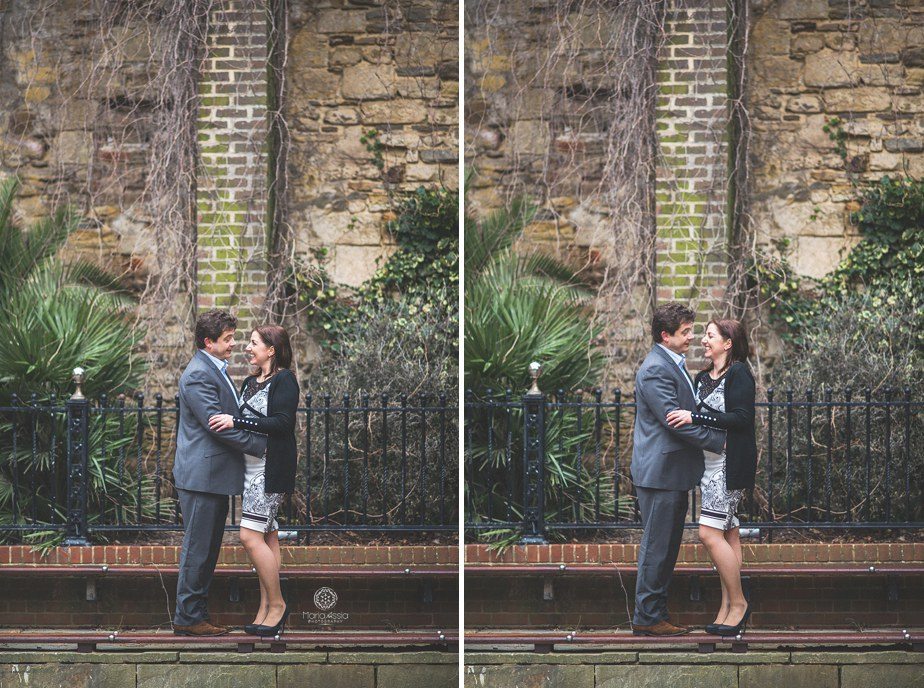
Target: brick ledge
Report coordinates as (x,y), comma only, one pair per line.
(808,553)
(154,555)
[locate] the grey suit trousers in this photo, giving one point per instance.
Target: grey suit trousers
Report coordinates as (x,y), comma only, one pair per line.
(204,515)
(663,513)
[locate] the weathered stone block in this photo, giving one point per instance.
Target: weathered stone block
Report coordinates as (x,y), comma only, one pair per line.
(212,675)
(770,37)
(339,21)
(395,112)
(803,9)
(657,676)
(327,675)
(830,69)
(67,675)
(803,43)
(891,675)
(799,676)
(316,84)
(369,82)
(71,147)
(411,676)
(777,71)
(534,676)
(530,136)
(904,145)
(859,99)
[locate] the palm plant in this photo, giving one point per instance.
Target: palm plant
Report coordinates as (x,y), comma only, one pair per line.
(522,307)
(58,315)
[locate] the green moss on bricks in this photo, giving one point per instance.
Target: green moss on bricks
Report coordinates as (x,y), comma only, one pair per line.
(676,89)
(214,289)
(221,101)
(685,269)
(674,282)
(674,138)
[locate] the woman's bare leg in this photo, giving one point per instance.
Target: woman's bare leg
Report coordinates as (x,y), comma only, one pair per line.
(728,564)
(267,566)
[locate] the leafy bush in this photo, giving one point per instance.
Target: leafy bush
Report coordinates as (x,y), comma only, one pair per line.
(856,345)
(887,266)
(521,308)
(401,352)
(423,272)
(860,327)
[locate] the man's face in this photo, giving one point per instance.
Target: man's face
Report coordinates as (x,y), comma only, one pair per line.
(222,348)
(679,341)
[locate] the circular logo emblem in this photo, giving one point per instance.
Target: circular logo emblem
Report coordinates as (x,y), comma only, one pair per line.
(325,598)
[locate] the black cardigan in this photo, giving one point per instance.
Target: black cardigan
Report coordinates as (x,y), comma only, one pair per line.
(279,427)
(738,422)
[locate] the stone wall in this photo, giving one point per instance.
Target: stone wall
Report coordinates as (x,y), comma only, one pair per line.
(755,669)
(810,61)
(177,669)
(357,66)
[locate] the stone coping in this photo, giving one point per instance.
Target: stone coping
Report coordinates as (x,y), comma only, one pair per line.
(694,553)
(813,656)
(397,656)
(233,555)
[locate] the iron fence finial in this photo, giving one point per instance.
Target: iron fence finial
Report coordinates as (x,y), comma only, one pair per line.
(80,375)
(535,370)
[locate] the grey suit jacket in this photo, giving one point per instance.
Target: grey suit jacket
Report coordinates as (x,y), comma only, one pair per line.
(667,458)
(209,461)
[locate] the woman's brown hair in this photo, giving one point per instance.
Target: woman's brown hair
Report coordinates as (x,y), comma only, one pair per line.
(278,338)
(733,330)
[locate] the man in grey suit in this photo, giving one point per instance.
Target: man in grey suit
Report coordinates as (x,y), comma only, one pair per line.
(209,467)
(666,463)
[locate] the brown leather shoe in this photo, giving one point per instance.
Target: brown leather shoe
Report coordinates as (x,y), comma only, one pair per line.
(202,628)
(662,628)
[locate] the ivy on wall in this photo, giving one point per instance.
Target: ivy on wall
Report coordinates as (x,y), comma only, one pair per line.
(423,272)
(886,268)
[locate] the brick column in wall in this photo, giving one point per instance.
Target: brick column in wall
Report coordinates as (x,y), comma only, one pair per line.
(232,178)
(692,177)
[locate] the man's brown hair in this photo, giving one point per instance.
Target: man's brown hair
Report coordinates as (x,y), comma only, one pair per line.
(212,324)
(668,318)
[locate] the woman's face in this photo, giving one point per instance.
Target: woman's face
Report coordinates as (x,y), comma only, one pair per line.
(258,353)
(714,343)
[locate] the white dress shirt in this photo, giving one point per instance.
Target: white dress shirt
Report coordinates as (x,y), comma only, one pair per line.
(680,360)
(223,369)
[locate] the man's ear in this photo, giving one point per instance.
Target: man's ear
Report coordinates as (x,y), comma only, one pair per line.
(208,343)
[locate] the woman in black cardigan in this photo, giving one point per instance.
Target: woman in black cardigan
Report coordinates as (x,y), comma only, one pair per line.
(269,403)
(725,393)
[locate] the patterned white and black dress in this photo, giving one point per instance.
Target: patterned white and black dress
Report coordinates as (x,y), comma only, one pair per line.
(719,504)
(258,509)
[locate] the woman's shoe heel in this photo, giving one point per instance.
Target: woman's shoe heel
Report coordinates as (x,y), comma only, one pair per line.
(737,629)
(270,631)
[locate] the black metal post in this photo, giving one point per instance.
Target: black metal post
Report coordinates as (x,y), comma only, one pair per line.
(78,447)
(533,467)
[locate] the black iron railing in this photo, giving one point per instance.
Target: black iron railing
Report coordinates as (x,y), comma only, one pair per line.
(77,467)
(537,463)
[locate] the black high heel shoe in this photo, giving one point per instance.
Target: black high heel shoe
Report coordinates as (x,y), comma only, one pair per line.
(712,629)
(270,631)
(731,631)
